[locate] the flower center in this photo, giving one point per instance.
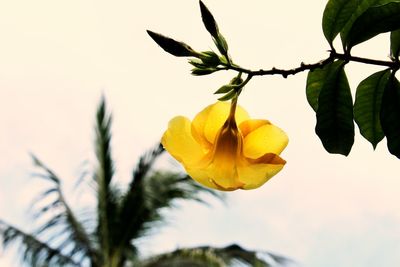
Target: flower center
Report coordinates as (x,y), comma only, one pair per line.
(229,141)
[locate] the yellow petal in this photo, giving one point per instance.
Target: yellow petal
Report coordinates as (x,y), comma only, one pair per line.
(200,175)
(251,125)
(255,175)
(265,139)
(198,125)
(208,122)
(179,142)
(224,175)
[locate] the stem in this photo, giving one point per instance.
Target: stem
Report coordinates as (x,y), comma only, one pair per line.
(395,65)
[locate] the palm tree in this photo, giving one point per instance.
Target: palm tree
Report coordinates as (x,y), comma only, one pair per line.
(106,238)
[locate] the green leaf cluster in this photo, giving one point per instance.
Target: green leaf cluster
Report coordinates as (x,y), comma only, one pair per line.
(232,89)
(376,109)
(359,20)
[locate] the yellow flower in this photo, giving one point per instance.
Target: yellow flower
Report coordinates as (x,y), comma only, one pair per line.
(224,149)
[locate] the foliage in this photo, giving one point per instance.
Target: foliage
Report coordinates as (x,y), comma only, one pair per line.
(376,107)
(232,255)
(104,237)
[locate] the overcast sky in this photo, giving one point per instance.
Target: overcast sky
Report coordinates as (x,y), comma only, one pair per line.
(58,57)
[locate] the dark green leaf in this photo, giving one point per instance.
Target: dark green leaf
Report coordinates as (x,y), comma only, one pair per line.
(336,15)
(225,89)
(178,49)
(363,5)
(367,106)
(390,115)
(209,21)
(315,81)
(335,125)
(375,20)
(395,44)
(231,94)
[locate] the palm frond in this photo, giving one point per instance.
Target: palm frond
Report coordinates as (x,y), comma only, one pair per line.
(34,251)
(229,256)
(132,202)
(148,193)
(132,208)
(61,216)
(106,197)
(151,192)
(187,257)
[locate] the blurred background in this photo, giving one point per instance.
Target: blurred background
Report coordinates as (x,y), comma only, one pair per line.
(57,58)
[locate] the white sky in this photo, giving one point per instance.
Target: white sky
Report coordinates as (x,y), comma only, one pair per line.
(58,57)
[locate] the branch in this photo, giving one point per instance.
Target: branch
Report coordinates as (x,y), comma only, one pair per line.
(395,65)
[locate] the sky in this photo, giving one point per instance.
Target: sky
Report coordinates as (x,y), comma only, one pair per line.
(57,58)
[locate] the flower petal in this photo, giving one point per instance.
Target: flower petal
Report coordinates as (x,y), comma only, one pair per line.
(249,126)
(179,142)
(224,175)
(200,175)
(265,139)
(208,122)
(255,175)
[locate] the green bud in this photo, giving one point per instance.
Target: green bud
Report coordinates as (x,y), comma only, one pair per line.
(178,49)
(221,44)
(200,72)
(208,20)
(236,80)
(210,58)
(198,64)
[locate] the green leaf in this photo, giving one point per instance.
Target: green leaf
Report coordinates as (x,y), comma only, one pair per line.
(395,44)
(390,115)
(231,94)
(335,125)
(363,5)
(178,49)
(367,106)
(225,89)
(336,15)
(375,20)
(315,81)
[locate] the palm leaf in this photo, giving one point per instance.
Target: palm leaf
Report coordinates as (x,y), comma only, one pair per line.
(34,251)
(106,196)
(132,207)
(228,256)
(149,192)
(62,217)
